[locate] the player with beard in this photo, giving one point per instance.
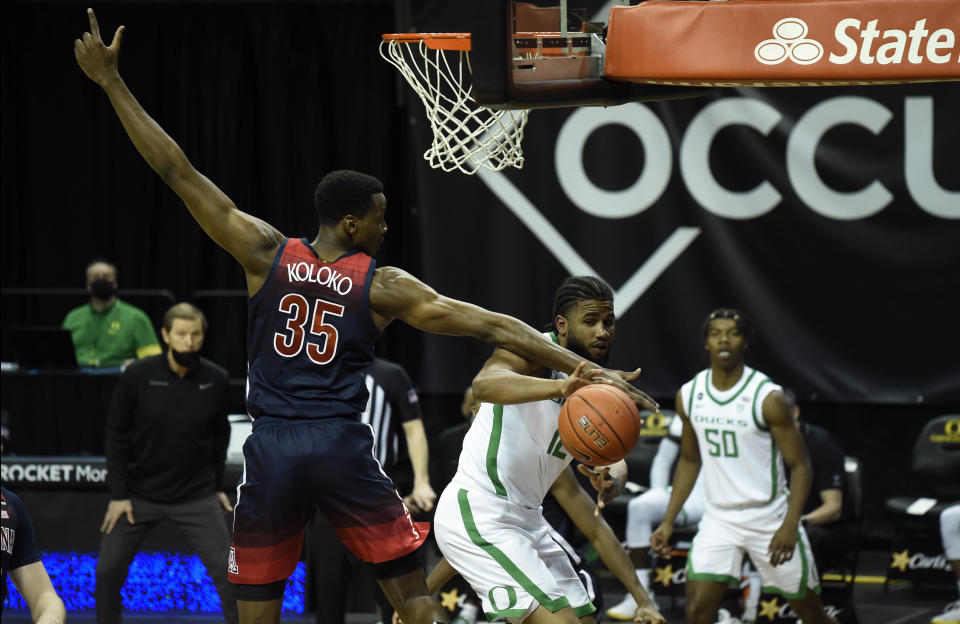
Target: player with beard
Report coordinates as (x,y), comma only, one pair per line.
(489,523)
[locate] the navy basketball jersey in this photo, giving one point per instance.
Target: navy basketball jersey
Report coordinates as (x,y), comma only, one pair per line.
(310,335)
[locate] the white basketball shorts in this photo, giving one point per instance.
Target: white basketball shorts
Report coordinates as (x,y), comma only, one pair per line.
(725,535)
(507,554)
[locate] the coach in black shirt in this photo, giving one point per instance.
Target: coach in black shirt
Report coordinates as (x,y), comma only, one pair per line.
(167,436)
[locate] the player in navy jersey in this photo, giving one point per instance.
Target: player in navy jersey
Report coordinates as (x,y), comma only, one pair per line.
(316,308)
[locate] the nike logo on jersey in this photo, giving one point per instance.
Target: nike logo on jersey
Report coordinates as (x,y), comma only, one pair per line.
(204,386)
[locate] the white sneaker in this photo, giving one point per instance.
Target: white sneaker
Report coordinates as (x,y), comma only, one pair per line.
(623,611)
(467,615)
(725,617)
(950,615)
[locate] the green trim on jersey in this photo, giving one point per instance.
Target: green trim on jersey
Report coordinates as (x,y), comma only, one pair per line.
(506,563)
(804,573)
(583,610)
(773,471)
(735,394)
(774,449)
(493,448)
(756,394)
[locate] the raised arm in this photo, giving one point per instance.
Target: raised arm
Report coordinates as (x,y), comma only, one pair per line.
(790,442)
(251,241)
(397,294)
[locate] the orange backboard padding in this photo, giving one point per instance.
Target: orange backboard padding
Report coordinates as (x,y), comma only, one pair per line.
(434,41)
(784,42)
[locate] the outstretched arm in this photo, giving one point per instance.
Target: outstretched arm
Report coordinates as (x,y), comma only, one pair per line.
(251,241)
(397,294)
(578,505)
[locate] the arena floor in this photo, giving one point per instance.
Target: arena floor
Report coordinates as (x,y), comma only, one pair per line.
(902,604)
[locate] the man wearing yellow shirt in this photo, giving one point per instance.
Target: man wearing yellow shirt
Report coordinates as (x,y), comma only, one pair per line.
(107,331)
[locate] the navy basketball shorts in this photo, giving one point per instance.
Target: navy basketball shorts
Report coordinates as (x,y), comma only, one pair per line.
(291,466)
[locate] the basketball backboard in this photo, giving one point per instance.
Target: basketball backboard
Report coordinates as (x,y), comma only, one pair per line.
(541,55)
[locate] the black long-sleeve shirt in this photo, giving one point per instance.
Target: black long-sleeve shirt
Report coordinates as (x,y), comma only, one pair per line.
(166,435)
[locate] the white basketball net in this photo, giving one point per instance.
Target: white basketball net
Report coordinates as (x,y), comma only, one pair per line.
(466,135)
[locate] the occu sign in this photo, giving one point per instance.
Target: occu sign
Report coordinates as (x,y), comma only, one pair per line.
(801,150)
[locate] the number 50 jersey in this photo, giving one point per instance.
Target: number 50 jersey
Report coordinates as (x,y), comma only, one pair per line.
(310,335)
(741,463)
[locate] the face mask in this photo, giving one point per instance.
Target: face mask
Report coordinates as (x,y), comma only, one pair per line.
(102,289)
(187,359)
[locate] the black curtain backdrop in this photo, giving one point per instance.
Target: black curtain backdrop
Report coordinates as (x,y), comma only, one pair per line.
(848,308)
(264,98)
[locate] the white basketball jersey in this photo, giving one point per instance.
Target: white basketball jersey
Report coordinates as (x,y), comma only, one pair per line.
(514,451)
(741,464)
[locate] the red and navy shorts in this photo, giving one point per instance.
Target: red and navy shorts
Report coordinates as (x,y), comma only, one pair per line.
(290,466)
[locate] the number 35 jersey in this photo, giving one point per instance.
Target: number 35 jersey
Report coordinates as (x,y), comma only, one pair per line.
(741,465)
(310,335)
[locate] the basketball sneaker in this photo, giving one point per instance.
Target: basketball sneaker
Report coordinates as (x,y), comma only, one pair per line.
(950,615)
(624,610)
(467,615)
(725,617)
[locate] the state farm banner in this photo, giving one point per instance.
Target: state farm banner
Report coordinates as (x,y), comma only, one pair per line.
(830,216)
(762,43)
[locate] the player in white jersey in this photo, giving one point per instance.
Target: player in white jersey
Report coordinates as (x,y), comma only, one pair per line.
(647,510)
(738,433)
(489,524)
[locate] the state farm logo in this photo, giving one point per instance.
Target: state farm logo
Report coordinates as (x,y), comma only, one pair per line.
(789,41)
(860,43)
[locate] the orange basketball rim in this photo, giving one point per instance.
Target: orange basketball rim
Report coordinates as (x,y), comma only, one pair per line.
(784,42)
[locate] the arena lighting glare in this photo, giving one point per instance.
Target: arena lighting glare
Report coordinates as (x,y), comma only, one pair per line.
(158,581)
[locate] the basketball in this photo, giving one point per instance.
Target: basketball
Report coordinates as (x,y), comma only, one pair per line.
(599,424)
